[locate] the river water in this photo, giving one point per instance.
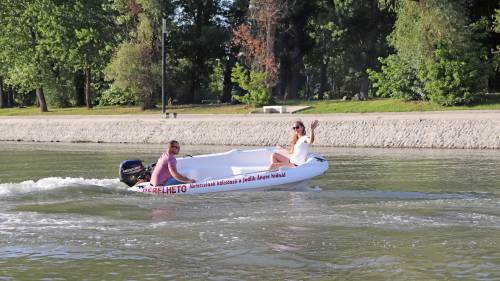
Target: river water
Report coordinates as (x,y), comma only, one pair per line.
(377,214)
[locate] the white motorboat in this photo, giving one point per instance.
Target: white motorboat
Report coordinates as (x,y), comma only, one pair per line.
(235,170)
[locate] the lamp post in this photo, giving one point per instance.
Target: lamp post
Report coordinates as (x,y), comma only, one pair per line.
(163,65)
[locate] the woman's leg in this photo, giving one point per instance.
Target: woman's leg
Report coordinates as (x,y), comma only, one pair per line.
(275,166)
(279,160)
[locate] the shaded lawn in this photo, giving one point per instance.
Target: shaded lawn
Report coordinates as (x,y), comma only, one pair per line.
(486,102)
(123,110)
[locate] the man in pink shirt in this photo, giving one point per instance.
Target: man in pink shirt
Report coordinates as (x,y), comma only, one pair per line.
(165,172)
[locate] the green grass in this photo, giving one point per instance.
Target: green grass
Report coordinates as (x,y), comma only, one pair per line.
(122,110)
(106,110)
(385,105)
(487,102)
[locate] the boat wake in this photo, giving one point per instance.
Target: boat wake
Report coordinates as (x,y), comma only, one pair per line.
(52,183)
(404,195)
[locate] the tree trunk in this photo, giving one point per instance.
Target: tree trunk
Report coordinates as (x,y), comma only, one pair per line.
(296,65)
(227,83)
(270,64)
(363,87)
(296,80)
(41,100)
(148,100)
(88,94)
(282,78)
(40,97)
(195,89)
(189,98)
(201,18)
(10,97)
(37,101)
(323,87)
(335,90)
(194,95)
(79,83)
(3,97)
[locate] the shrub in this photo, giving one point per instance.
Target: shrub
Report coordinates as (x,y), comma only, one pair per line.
(59,92)
(253,82)
(24,98)
(116,96)
(216,80)
(453,78)
(398,79)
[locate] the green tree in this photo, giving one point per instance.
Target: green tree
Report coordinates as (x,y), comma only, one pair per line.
(482,16)
(450,78)
(133,68)
(21,34)
(216,85)
(319,62)
(294,41)
(257,38)
(90,46)
(254,83)
(397,79)
(349,36)
(435,43)
(3,96)
(198,38)
(496,55)
(235,17)
(48,42)
(3,61)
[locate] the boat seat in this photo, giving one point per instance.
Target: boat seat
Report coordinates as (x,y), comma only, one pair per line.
(238,170)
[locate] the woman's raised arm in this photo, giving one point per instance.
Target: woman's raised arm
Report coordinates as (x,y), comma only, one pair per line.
(314,125)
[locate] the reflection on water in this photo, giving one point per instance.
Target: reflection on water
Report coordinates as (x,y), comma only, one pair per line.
(382,214)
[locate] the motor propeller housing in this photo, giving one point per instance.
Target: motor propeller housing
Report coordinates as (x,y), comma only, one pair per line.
(133,171)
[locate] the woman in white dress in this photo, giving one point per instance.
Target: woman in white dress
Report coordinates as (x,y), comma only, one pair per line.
(299,149)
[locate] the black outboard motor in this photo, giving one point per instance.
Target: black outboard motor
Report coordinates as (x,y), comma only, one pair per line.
(132,171)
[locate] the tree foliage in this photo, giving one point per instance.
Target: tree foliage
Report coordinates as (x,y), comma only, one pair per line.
(22,46)
(349,36)
(397,79)
(253,82)
(45,42)
(496,55)
(437,49)
(133,67)
(450,78)
(199,38)
(78,52)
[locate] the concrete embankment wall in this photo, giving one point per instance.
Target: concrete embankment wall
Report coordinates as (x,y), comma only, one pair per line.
(468,129)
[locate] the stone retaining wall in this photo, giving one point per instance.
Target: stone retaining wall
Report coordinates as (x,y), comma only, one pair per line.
(476,130)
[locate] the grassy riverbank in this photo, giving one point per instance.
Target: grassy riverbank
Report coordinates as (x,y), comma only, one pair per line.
(488,102)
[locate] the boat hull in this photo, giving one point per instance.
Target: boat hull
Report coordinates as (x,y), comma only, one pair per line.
(241,177)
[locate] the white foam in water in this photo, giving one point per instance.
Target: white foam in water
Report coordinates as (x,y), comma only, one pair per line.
(317,188)
(51,183)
